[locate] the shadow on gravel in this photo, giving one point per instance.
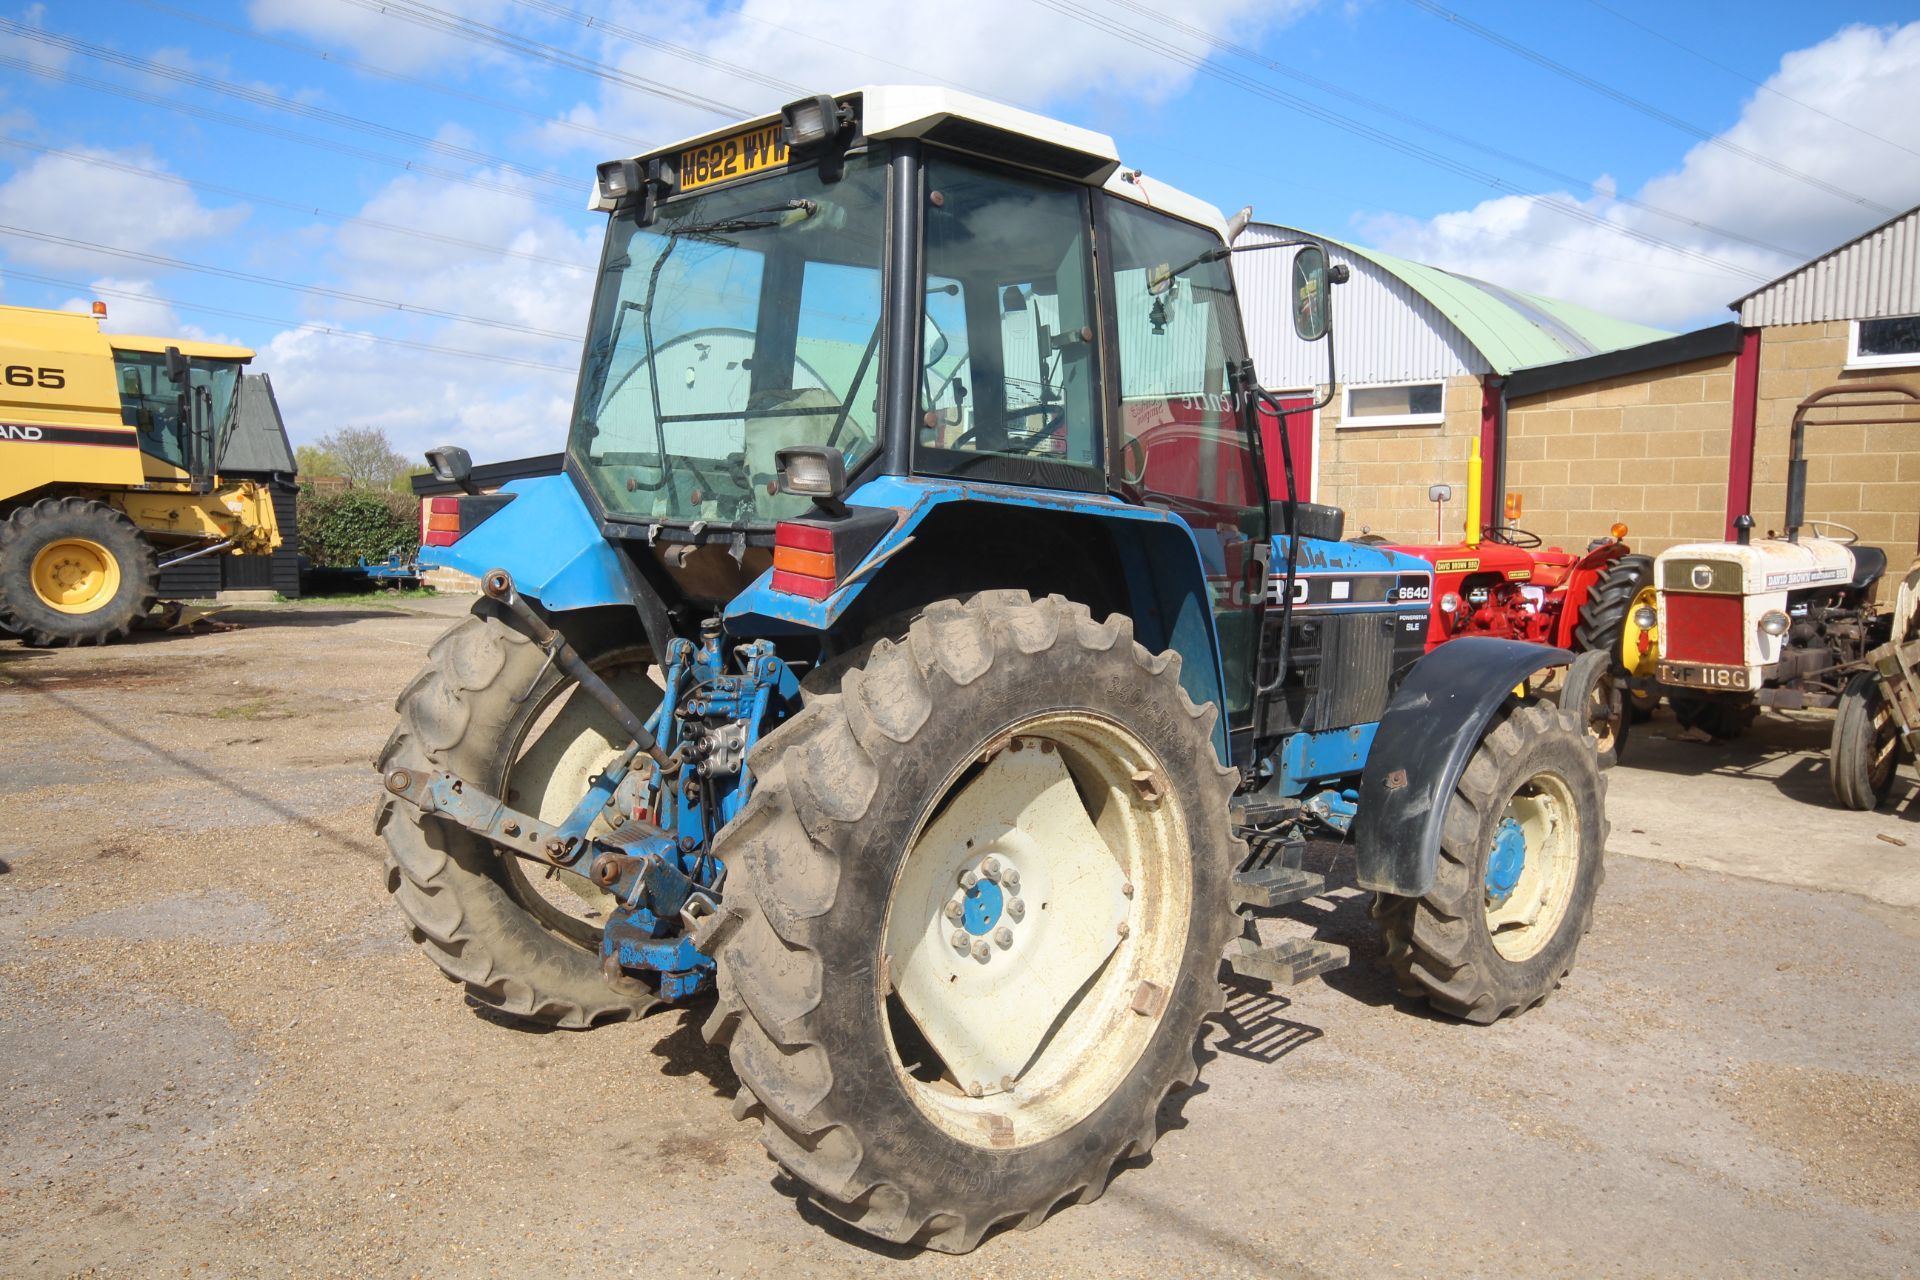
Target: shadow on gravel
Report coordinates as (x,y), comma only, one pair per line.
(1789,754)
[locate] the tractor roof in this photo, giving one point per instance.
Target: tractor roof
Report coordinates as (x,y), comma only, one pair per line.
(994,130)
(77,331)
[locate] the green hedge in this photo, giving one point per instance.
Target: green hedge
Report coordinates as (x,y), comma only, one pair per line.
(339,528)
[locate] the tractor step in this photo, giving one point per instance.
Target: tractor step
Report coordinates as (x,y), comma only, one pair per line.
(1267,848)
(1275,885)
(1288,963)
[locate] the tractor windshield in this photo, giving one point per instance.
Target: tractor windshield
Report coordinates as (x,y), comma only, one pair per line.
(741,321)
(150,401)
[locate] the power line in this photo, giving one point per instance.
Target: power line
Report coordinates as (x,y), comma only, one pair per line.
(1761,85)
(477,32)
(1255,56)
(494,102)
(95,289)
(274,102)
(275,131)
(1195,62)
(1646,108)
(680,51)
(248,277)
(295,206)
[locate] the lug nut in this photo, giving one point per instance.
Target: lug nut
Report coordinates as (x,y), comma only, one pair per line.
(960,939)
(1017,909)
(1003,936)
(1125,928)
(968,879)
(955,912)
(982,952)
(1126,890)
(1010,878)
(991,867)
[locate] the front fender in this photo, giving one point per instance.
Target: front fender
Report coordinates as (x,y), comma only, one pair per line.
(1432,725)
(548,540)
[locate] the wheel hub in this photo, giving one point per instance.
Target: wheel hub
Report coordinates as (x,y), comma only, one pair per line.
(75,575)
(1506,862)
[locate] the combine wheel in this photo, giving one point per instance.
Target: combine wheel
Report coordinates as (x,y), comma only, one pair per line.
(1592,692)
(1866,745)
(1520,865)
(1610,621)
(974,918)
(489,707)
(73,572)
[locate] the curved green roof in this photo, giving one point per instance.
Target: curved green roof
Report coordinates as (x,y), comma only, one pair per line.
(1511,329)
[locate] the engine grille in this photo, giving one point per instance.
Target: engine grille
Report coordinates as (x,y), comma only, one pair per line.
(1342,668)
(1704,628)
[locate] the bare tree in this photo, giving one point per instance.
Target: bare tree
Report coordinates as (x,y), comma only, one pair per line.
(365,456)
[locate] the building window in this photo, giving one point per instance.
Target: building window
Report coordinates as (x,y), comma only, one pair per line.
(1878,344)
(1413,404)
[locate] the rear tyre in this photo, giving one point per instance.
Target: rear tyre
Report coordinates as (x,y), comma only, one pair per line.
(1866,745)
(73,572)
(1592,692)
(490,708)
(1607,624)
(1521,861)
(927,1075)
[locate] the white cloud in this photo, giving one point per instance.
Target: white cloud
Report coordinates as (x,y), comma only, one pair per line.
(65,196)
(46,56)
(1862,75)
(385,38)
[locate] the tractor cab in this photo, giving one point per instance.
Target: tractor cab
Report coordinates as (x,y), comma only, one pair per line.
(180,397)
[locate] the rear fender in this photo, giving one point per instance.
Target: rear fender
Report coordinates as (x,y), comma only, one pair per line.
(549,541)
(1432,725)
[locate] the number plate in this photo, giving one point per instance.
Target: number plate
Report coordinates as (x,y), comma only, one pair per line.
(1693,676)
(754,151)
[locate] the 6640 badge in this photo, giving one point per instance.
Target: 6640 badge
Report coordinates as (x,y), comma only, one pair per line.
(1694,675)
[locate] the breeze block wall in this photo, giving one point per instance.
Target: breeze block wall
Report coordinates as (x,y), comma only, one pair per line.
(1865,477)
(1380,475)
(1648,449)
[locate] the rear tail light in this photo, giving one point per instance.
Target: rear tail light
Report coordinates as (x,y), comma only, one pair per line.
(442,525)
(803,560)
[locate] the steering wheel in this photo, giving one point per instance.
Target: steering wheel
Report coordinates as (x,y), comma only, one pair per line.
(1513,536)
(1026,411)
(1851,536)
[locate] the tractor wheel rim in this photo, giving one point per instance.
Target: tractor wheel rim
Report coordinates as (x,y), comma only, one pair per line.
(1634,658)
(1035,932)
(1544,819)
(75,575)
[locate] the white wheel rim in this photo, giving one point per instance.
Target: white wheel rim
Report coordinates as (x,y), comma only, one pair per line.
(1043,1013)
(1548,818)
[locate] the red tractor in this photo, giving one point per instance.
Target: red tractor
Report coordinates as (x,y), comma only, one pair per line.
(1501,582)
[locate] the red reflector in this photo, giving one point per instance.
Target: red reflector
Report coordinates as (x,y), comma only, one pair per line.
(441,538)
(445,506)
(798,585)
(804,537)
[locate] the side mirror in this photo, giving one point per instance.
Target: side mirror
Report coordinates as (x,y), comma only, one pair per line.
(1133,461)
(178,369)
(452,465)
(1440,493)
(1310,293)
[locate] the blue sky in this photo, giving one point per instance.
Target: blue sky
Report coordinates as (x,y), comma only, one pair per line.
(1805,134)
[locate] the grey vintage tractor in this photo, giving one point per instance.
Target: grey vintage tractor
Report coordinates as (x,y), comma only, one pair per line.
(923,656)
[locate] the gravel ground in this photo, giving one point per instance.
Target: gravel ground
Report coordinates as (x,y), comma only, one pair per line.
(219,1056)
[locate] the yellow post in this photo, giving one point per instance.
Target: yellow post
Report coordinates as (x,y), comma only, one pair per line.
(1473,494)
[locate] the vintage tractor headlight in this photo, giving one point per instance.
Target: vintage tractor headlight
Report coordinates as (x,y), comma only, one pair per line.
(1449,603)
(1774,622)
(1646,617)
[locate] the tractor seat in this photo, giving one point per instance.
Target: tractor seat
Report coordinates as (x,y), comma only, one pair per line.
(1548,574)
(1868,564)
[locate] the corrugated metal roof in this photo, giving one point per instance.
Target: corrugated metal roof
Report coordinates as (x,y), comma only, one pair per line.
(1873,275)
(1400,320)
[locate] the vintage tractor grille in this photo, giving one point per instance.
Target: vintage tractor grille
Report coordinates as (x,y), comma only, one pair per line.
(1343,664)
(1704,628)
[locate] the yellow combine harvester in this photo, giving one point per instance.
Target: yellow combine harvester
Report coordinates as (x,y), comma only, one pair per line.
(109,446)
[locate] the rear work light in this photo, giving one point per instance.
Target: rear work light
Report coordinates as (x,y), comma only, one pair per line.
(813,555)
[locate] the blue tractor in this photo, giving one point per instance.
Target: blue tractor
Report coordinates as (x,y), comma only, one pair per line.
(923,657)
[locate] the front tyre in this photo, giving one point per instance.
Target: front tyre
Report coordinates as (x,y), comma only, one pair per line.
(1866,745)
(1520,866)
(73,572)
(974,917)
(1591,690)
